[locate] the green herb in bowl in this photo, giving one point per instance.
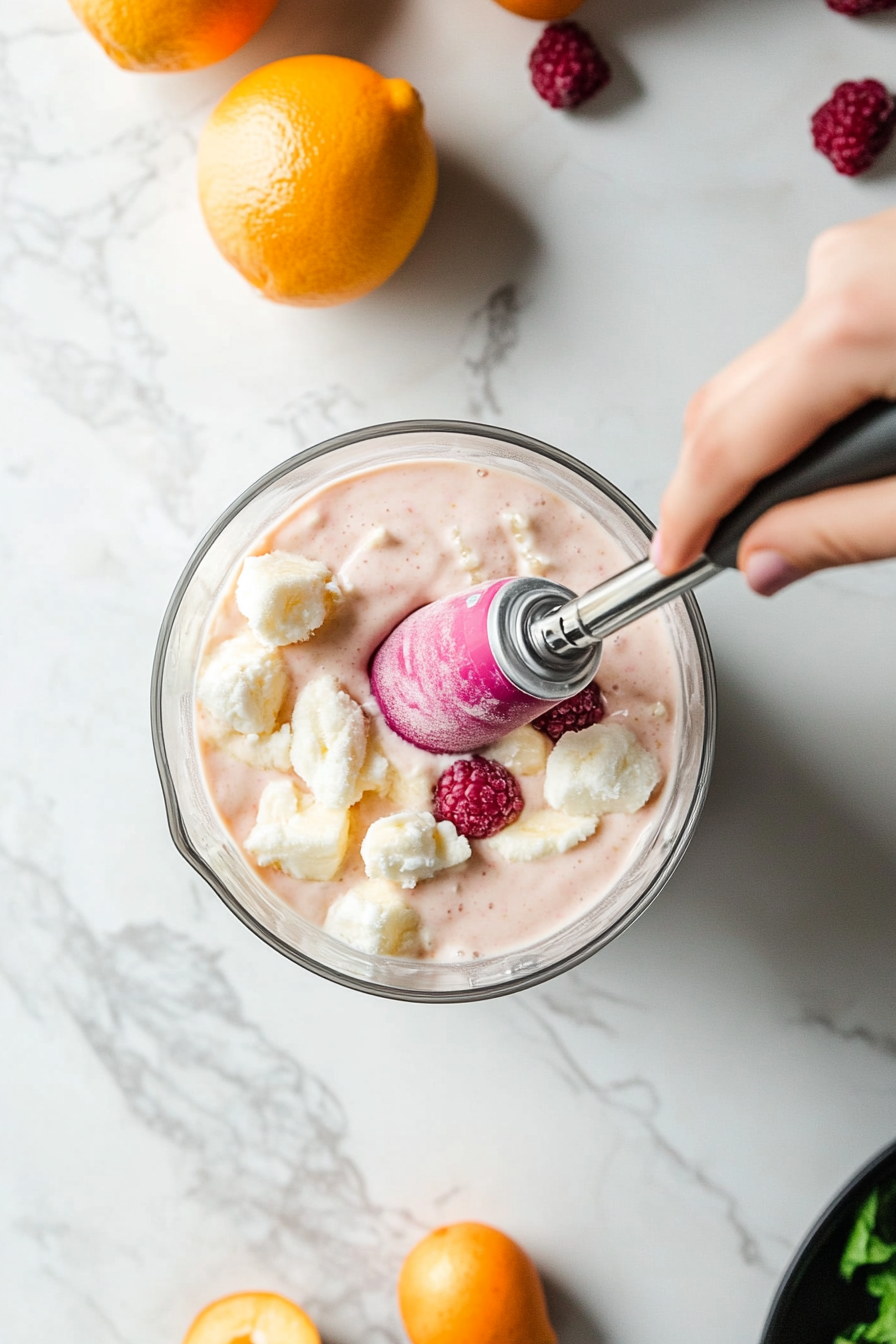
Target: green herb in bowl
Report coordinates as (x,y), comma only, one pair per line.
(873,1242)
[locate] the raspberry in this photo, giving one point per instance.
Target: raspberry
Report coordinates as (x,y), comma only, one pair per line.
(566,66)
(856,8)
(855,125)
(481,797)
(572,715)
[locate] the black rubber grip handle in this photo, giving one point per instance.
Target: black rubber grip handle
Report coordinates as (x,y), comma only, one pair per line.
(860,448)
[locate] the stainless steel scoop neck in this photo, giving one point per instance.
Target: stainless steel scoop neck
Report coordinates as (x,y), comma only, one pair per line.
(588,619)
(548,642)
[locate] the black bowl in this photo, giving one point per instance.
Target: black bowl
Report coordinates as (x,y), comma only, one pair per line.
(813,1302)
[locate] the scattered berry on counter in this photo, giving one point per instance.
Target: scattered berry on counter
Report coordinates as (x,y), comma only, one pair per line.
(572,715)
(566,66)
(856,8)
(480,797)
(855,125)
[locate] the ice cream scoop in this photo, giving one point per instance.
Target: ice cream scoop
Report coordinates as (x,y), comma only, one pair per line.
(457,675)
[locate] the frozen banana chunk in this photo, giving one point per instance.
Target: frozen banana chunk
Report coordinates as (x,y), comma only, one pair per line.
(376,772)
(300,837)
(409,847)
(374,540)
(285,597)
(263,751)
(329,743)
(538,834)
(243,684)
(602,769)
(412,790)
(523,752)
(520,529)
(373,918)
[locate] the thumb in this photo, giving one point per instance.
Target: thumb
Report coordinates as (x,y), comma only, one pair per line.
(837,527)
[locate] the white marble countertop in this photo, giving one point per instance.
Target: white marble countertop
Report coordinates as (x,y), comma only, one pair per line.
(185,1114)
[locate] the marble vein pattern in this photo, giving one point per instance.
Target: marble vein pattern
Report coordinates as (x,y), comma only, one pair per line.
(264,1138)
(584,1006)
(878,1042)
(106,373)
(319,415)
(492,338)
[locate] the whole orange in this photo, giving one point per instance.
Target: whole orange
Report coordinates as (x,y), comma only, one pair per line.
(171,34)
(249,1317)
(471,1284)
(547,10)
(316,178)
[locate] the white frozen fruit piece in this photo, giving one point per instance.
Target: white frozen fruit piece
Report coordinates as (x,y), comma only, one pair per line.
(329,742)
(602,769)
(297,835)
(373,918)
(409,847)
(412,790)
(374,540)
(467,558)
(285,597)
(243,684)
(523,752)
(539,834)
(376,772)
(262,751)
(520,529)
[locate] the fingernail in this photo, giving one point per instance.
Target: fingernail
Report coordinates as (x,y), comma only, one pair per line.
(767,572)
(656,550)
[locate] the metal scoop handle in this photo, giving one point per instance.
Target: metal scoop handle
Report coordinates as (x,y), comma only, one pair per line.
(862,447)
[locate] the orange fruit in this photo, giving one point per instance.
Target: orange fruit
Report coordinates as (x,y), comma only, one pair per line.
(171,34)
(471,1284)
(316,178)
(547,10)
(249,1318)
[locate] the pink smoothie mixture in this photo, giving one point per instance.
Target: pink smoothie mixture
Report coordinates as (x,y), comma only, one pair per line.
(398,537)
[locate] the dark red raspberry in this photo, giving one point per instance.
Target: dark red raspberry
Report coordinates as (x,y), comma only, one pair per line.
(481,797)
(572,715)
(566,66)
(855,125)
(856,8)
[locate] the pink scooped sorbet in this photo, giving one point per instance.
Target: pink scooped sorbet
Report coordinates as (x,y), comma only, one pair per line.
(397,538)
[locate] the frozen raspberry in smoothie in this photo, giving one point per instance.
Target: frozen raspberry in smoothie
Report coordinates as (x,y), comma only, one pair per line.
(479,796)
(572,715)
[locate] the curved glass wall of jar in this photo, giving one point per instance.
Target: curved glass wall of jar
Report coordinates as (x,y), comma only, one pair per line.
(206,844)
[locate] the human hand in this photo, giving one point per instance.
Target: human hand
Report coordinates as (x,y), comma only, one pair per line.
(836,352)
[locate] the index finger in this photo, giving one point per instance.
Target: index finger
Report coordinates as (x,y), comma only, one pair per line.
(757,414)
